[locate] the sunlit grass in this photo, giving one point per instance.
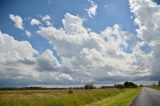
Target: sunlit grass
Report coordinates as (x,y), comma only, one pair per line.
(122,99)
(55,97)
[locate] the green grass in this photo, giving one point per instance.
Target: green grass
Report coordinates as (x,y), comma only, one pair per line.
(156,87)
(122,99)
(55,97)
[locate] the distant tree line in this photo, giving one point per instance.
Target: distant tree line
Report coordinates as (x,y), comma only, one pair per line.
(86,86)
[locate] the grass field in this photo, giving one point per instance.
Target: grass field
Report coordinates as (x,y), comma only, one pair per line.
(156,87)
(63,97)
(122,99)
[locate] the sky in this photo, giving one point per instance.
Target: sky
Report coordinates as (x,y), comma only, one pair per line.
(59,42)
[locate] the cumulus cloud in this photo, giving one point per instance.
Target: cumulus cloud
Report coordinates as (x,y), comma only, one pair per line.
(17,20)
(64,77)
(21,65)
(13,55)
(73,24)
(91,55)
(47,62)
(87,56)
(19,23)
(92,9)
(21,49)
(35,22)
(148,26)
(147,15)
(46,19)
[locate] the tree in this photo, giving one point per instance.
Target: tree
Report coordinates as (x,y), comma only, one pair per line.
(159,83)
(141,85)
(130,85)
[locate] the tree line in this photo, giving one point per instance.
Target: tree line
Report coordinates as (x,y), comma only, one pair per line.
(86,86)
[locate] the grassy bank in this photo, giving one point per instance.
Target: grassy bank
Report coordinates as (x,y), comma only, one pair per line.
(156,87)
(122,99)
(55,97)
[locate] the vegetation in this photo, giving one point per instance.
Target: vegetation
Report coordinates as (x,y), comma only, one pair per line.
(122,99)
(89,86)
(79,96)
(104,87)
(70,91)
(72,97)
(130,85)
(141,85)
(119,86)
(126,85)
(155,87)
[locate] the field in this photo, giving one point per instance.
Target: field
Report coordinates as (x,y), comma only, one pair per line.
(109,97)
(156,87)
(122,99)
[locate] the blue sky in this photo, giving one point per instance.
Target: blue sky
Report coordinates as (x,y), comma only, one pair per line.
(56,9)
(112,30)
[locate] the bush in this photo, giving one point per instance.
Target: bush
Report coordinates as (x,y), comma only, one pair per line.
(130,85)
(70,91)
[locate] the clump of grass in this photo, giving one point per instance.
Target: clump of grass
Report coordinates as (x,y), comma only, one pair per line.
(70,91)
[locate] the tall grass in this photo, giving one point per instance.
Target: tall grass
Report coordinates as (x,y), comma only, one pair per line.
(156,87)
(54,97)
(123,99)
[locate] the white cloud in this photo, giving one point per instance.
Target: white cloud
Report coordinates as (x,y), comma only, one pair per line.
(19,23)
(16,57)
(64,77)
(148,26)
(87,56)
(46,17)
(17,20)
(73,24)
(47,62)
(92,9)
(147,15)
(48,23)
(28,33)
(21,64)
(83,51)
(35,22)
(21,49)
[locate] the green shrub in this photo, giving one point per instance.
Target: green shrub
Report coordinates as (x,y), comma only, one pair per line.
(129,85)
(70,91)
